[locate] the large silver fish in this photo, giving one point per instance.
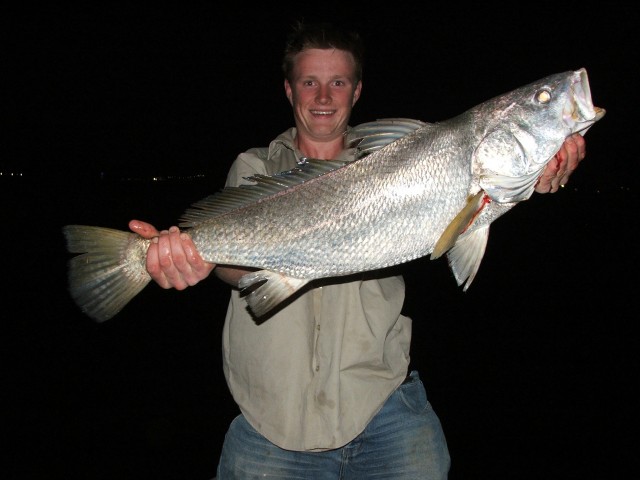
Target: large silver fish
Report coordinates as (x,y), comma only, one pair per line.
(416,189)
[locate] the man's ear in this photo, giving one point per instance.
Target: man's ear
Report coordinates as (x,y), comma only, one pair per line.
(288,91)
(356,93)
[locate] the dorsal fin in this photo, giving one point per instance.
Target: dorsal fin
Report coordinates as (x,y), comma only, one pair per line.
(366,137)
(231,198)
(371,136)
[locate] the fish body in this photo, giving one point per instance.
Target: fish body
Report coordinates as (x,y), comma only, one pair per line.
(416,189)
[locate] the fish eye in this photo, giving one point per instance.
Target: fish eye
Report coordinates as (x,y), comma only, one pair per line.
(543,95)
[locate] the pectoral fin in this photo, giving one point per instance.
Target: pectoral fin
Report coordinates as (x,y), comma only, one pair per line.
(265,289)
(459,224)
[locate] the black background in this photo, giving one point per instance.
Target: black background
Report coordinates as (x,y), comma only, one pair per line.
(532,371)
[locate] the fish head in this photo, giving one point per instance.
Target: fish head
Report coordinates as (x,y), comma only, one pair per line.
(521,131)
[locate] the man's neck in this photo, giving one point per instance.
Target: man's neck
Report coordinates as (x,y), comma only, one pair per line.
(325,150)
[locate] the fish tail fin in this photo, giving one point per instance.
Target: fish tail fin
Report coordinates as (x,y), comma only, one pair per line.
(266,289)
(109,271)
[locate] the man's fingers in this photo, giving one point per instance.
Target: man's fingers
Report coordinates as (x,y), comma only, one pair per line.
(143,229)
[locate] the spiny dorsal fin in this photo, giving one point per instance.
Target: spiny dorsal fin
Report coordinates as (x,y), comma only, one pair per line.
(367,137)
(371,136)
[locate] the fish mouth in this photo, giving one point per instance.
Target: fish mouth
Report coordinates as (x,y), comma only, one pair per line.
(580,113)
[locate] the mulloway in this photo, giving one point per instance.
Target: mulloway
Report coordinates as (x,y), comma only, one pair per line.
(414,189)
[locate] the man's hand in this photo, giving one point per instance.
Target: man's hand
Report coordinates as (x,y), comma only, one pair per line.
(172,259)
(557,172)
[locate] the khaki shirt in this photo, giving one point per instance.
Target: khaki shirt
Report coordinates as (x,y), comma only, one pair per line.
(313,375)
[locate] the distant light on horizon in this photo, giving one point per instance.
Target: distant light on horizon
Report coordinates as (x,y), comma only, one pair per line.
(109,177)
(103,176)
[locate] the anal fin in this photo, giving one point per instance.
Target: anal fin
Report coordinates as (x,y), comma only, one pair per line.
(266,289)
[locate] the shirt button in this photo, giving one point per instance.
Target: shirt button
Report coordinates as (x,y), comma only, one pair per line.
(317,367)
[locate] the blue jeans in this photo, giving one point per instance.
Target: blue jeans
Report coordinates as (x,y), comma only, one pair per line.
(403,441)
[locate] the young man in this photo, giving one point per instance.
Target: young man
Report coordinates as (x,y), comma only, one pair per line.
(322,384)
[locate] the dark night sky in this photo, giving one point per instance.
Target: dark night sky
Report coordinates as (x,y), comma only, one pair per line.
(185,89)
(532,371)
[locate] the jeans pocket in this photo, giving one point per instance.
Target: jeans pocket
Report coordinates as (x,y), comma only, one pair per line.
(414,395)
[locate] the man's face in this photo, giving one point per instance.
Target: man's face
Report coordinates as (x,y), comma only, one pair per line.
(323,92)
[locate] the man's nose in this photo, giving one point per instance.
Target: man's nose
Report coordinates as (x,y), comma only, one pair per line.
(324,96)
